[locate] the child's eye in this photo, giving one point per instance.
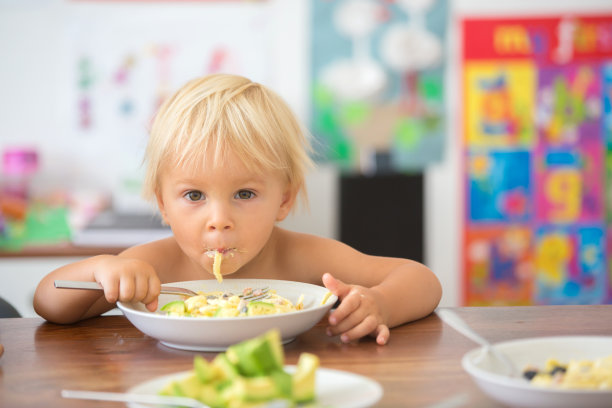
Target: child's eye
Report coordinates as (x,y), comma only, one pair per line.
(244,194)
(194,195)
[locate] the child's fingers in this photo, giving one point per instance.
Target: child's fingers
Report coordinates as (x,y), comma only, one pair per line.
(367,326)
(344,317)
(127,288)
(382,334)
(335,286)
(152,306)
(111,290)
(141,290)
(153,286)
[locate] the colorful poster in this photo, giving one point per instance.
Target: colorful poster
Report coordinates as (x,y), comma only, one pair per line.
(537,160)
(499,259)
(569,265)
(499,186)
(500,104)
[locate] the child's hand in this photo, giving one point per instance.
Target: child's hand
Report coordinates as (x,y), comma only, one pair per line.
(359,313)
(128,280)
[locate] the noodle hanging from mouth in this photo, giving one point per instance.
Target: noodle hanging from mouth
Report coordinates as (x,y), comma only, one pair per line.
(217,266)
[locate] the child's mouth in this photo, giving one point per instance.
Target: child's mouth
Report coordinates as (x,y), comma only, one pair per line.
(224,251)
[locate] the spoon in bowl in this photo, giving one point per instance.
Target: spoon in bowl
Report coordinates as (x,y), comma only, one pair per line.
(452,319)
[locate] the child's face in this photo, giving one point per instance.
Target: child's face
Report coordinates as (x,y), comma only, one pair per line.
(226,208)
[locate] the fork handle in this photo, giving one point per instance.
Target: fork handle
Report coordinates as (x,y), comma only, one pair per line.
(68,284)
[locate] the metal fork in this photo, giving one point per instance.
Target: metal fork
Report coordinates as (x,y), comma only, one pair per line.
(169,290)
(261,294)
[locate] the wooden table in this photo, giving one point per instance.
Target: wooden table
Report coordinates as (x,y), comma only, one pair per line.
(420,367)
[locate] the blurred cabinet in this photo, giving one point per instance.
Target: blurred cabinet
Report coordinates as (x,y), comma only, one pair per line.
(21,271)
(20,276)
(383,214)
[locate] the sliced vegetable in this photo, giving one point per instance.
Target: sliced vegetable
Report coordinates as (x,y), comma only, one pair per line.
(247,374)
(174,307)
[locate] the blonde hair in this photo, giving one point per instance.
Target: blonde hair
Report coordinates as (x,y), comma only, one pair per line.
(220,113)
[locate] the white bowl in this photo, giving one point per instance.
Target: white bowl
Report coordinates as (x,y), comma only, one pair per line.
(216,334)
(490,375)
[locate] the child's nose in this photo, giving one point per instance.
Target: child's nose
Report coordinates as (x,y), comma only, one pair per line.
(220,219)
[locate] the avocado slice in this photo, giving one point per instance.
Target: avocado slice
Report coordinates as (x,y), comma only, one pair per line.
(171,389)
(276,345)
(175,307)
(225,367)
(304,378)
(226,312)
(188,387)
(258,356)
(283,382)
(211,395)
(257,308)
(251,389)
(205,371)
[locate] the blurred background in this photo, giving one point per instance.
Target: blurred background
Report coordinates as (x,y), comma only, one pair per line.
(470,135)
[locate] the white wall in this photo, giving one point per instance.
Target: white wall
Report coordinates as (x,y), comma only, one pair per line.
(38,96)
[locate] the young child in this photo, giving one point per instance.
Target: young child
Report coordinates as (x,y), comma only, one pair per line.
(226,161)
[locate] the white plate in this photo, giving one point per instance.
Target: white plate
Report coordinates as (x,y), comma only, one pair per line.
(216,334)
(333,388)
(518,392)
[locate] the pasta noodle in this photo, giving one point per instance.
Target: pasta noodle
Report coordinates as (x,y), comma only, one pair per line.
(217,266)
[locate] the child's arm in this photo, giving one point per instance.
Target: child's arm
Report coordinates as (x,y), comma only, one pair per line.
(123,278)
(376,293)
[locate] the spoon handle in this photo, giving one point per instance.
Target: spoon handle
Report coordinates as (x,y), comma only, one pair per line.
(452,319)
(130,397)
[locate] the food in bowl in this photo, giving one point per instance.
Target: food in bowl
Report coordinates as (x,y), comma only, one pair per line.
(251,302)
(216,334)
(577,374)
(493,379)
(248,373)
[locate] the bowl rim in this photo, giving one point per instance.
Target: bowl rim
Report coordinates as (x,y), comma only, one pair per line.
(519,382)
(128,306)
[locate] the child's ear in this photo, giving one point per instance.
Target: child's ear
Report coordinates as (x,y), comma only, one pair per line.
(287,203)
(160,205)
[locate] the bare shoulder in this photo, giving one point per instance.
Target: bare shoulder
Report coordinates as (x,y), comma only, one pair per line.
(291,243)
(307,257)
(166,246)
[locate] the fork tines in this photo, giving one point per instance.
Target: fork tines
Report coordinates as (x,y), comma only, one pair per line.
(256,294)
